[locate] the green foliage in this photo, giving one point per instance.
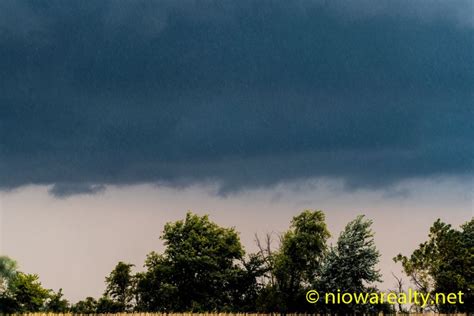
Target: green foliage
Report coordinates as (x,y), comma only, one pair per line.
(154,289)
(119,288)
(201,241)
(245,284)
(107,305)
(8,305)
(298,262)
(8,270)
(444,264)
(350,265)
(23,293)
(198,270)
(87,306)
(56,303)
(28,293)
(203,269)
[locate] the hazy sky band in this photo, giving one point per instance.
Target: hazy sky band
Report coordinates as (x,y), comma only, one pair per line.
(80,239)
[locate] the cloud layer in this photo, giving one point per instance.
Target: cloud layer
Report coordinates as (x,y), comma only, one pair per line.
(243,93)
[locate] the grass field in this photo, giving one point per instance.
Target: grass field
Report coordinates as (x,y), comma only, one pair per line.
(220,314)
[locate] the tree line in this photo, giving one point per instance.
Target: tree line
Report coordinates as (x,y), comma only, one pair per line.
(204,268)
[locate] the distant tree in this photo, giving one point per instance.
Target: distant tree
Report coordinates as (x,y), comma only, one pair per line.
(120,284)
(398,290)
(269,298)
(27,292)
(87,306)
(8,270)
(155,290)
(196,271)
(20,292)
(56,303)
(246,284)
(444,264)
(203,256)
(107,305)
(266,252)
(350,265)
(298,262)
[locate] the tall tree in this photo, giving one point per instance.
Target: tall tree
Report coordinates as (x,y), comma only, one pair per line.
(87,306)
(107,305)
(56,303)
(155,289)
(246,284)
(28,292)
(8,270)
(350,266)
(120,285)
(197,269)
(444,264)
(298,262)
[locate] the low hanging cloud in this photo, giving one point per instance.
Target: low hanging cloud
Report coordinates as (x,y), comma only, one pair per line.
(68,189)
(241,93)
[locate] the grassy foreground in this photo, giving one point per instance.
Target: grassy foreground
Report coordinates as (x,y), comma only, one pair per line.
(221,314)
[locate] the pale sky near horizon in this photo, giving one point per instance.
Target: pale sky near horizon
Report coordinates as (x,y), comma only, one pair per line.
(74,243)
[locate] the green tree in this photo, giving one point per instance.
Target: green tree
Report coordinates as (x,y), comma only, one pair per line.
(444,264)
(87,306)
(107,305)
(8,270)
(56,303)
(155,290)
(196,271)
(298,262)
(28,293)
(203,257)
(246,284)
(120,284)
(350,265)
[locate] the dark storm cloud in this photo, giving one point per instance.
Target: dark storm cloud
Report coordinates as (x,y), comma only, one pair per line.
(68,189)
(244,93)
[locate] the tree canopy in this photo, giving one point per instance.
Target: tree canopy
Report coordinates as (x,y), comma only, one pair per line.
(444,264)
(204,268)
(350,265)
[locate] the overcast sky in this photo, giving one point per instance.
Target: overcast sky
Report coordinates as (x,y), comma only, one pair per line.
(118,115)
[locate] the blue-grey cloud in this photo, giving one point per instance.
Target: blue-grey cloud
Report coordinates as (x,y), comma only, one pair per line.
(61,190)
(245,93)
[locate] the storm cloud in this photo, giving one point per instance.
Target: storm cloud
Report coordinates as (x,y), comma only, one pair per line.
(241,93)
